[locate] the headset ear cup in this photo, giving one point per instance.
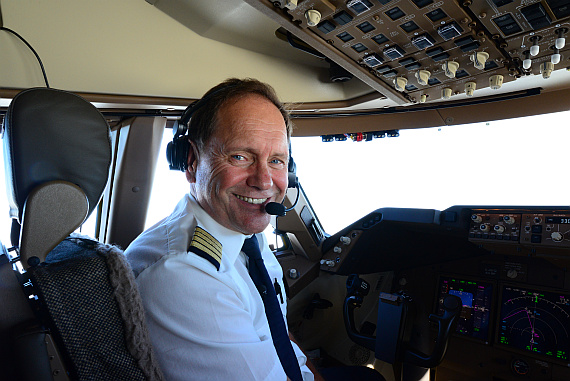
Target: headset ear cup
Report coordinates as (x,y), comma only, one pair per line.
(177,153)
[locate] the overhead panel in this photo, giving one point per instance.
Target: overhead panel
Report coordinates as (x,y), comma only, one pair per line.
(425,50)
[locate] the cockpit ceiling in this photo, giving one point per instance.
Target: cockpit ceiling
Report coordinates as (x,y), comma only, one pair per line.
(164,53)
(410,51)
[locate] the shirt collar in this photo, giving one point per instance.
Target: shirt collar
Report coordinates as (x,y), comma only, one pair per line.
(185,225)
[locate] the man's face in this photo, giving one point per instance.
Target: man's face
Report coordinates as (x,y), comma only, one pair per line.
(243,166)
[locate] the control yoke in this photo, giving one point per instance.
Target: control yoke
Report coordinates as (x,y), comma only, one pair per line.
(395,316)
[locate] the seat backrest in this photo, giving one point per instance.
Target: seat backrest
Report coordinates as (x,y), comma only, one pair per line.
(57,155)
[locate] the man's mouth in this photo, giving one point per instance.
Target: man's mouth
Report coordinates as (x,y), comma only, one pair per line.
(249,200)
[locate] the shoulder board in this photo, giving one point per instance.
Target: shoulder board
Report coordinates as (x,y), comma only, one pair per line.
(206,246)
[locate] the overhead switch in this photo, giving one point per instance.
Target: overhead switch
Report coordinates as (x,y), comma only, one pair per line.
(560,42)
(527,62)
(546,69)
(446,93)
(400,83)
(450,68)
(423,77)
(479,59)
(470,88)
(555,57)
(423,98)
(313,17)
(496,81)
(534,49)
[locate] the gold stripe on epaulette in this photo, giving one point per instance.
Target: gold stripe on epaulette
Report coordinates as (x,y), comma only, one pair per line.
(207,244)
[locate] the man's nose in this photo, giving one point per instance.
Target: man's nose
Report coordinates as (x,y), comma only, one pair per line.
(260,177)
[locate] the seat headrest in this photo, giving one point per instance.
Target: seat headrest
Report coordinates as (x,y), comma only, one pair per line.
(52,135)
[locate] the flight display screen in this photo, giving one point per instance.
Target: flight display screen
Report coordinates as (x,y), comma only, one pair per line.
(535,321)
(477,298)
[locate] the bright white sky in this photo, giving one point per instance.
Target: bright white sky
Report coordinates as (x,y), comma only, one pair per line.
(513,162)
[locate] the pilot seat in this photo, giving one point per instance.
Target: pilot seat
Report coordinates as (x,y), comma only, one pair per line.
(70,305)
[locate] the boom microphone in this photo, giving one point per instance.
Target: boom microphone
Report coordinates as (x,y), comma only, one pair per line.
(275,209)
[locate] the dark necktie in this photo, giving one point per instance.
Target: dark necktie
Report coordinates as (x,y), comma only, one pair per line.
(281,340)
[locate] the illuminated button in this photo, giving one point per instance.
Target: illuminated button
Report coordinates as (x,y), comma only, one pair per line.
(406,61)
(373,60)
(359,47)
(450,31)
(345,36)
(536,16)
(395,13)
(423,42)
(440,57)
(560,8)
(433,81)
(507,24)
(536,238)
(490,65)
(409,26)
(390,73)
(394,52)
(380,39)
(342,18)
(383,69)
(436,15)
(413,66)
(359,6)
(422,3)
(326,26)
(536,229)
(461,73)
(365,27)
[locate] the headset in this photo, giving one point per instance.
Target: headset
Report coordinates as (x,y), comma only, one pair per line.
(178,149)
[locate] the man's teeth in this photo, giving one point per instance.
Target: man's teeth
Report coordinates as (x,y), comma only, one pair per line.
(252,200)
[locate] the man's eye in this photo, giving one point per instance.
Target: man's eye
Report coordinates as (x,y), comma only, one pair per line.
(238,157)
(277,162)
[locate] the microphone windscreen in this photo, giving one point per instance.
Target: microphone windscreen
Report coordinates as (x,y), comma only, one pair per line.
(275,209)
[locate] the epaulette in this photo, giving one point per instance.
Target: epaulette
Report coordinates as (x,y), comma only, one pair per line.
(206,246)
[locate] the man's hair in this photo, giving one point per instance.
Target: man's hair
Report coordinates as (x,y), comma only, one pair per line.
(204,120)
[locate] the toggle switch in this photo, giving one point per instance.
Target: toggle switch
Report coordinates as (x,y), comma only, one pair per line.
(423,98)
(479,59)
(560,42)
(446,93)
(450,68)
(534,49)
(555,59)
(527,62)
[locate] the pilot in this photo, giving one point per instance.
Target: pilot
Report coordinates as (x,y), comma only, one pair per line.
(206,313)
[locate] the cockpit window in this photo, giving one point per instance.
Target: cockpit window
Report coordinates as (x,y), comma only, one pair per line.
(510,162)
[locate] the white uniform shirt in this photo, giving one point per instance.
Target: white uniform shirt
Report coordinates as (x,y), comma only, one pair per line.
(206,323)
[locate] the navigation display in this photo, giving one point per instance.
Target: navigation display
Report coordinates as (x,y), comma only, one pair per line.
(477,298)
(535,321)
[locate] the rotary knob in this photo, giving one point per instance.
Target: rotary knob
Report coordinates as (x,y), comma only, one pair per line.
(557,236)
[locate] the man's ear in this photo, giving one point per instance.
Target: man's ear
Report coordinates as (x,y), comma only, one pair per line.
(192,163)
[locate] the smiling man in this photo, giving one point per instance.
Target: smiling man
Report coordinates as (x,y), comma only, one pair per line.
(206,316)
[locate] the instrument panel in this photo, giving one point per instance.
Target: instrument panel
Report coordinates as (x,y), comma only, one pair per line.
(429,50)
(536,229)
